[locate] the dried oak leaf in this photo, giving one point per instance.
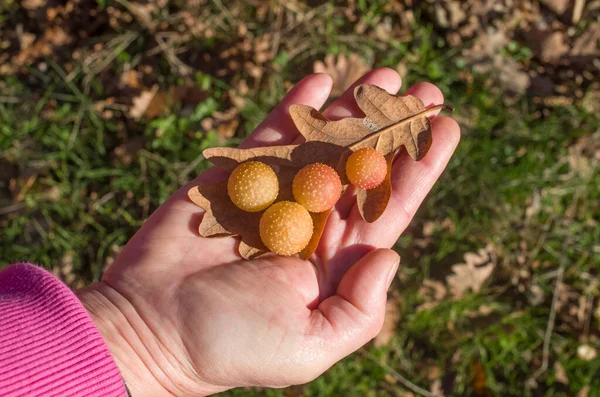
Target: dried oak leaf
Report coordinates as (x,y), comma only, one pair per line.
(472,274)
(382,110)
(343,71)
(154,103)
(584,391)
(389,123)
(223,218)
(560,375)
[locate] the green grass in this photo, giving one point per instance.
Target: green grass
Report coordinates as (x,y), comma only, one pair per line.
(85,202)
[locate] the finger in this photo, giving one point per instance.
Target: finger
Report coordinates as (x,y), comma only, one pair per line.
(427,92)
(278,128)
(411,182)
(355,314)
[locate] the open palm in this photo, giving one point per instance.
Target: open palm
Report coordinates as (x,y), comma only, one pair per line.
(193,318)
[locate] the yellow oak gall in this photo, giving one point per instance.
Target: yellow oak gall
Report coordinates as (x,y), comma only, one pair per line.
(317,187)
(253,186)
(286,228)
(366,168)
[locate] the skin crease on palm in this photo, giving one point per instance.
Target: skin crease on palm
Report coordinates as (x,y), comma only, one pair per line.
(186,316)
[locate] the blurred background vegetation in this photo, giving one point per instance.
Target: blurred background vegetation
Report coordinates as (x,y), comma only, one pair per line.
(106,106)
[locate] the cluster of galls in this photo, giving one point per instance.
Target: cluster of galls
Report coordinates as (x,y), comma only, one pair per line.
(286,227)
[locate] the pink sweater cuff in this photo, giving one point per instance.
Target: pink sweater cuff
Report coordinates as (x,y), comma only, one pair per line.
(49,345)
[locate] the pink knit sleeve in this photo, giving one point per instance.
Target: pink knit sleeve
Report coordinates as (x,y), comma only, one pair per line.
(49,345)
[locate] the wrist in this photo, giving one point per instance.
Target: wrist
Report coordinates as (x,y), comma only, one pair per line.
(116,320)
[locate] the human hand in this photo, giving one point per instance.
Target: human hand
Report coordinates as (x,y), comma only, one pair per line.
(184,315)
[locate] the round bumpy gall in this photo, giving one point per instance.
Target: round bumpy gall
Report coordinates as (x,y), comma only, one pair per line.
(286,228)
(366,168)
(253,186)
(317,187)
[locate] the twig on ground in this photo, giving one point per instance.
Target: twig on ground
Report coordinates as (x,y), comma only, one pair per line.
(173,39)
(551,320)
(101,201)
(142,13)
(277,31)
(540,243)
(127,39)
(589,306)
(9,99)
(225,11)
(76,126)
(104,57)
(12,208)
(407,383)
(175,62)
(298,50)
(183,175)
(577,11)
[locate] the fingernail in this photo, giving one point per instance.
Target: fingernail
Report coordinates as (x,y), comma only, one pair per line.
(392,274)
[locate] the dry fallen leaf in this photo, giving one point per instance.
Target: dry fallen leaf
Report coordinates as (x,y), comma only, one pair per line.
(472,274)
(560,374)
(390,123)
(26,39)
(436,389)
(154,103)
(432,292)
(142,102)
(127,152)
(450,14)
(228,128)
(485,57)
(344,71)
(557,6)
(479,380)
(584,392)
(129,79)
(547,45)
(43,46)
(587,45)
(32,4)
(381,109)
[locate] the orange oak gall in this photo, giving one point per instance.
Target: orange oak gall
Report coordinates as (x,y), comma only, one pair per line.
(253,186)
(286,228)
(317,187)
(366,168)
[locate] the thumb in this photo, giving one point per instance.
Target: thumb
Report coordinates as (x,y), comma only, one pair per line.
(355,314)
